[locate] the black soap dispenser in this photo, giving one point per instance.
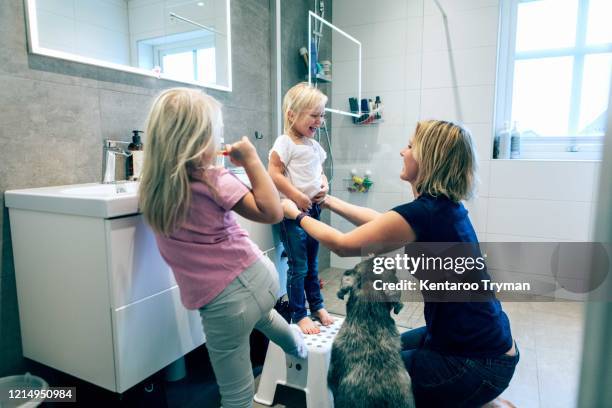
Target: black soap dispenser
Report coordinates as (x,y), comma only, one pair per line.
(136,159)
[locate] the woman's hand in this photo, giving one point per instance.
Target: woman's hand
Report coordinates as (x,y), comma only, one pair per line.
(326,202)
(242,153)
(291,210)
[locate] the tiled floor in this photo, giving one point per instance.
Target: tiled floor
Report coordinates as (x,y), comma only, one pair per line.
(549,336)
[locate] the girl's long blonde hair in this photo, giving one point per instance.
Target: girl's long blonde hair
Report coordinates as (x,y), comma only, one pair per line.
(298,99)
(182,131)
(446,157)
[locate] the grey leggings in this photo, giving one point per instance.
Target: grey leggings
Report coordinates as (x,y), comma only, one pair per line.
(228,321)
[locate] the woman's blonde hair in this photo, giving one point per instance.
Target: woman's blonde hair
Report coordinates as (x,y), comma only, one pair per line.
(298,99)
(182,131)
(446,157)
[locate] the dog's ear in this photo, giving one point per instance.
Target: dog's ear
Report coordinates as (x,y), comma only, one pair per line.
(346,285)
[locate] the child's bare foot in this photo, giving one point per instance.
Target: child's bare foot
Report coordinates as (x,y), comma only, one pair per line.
(324,317)
(308,326)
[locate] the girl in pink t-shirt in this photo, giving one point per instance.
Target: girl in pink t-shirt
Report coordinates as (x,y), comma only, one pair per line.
(188,203)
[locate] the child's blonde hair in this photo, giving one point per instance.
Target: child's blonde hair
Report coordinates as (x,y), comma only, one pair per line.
(298,99)
(182,131)
(446,157)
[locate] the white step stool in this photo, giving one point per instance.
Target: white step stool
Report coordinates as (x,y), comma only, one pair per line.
(309,375)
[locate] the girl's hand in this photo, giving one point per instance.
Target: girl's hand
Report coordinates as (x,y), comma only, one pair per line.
(290,209)
(320,197)
(242,153)
(302,201)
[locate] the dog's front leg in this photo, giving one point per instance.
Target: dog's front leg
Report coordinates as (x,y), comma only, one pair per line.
(333,373)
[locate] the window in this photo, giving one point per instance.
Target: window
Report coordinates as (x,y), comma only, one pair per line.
(196,64)
(189,56)
(554,72)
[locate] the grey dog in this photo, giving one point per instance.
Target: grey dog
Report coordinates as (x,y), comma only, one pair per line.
(366,369)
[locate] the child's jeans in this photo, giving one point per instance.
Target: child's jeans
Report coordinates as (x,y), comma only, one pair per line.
(228,321)
(440,380)
(303,273)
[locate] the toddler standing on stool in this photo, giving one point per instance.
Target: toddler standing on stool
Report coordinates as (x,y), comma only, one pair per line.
(296,167)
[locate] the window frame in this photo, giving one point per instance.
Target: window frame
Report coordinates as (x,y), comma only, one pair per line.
(177,47)
(561,147)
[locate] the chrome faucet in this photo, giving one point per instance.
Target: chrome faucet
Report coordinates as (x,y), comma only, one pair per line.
(110,150)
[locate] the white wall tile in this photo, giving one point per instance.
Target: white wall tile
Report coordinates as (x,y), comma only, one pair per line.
(412,109)
(473,66)
(546,180)
(483,173)
(414,8)
(394,113)
(385,174)
(381,202)
(384,74)
(491,237)
(482,134)
(477,211)
(452,7)
(412,76)
(56,31)
(58,7)
(539,218)
(345,77)
(104,14)
(475,104)
(469,29)
(148,18)
(357,12)
(101,43)
(363,143)
(596,180)
(384,40)
(414,35)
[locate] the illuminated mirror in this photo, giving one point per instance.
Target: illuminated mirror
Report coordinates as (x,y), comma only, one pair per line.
(180,40)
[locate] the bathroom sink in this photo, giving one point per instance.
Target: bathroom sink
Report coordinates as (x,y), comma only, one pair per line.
(92,200)
(101,190)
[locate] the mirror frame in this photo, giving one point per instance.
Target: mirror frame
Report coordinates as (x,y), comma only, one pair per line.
(35,48)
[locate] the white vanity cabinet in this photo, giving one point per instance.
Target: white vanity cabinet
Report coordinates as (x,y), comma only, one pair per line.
(96,300)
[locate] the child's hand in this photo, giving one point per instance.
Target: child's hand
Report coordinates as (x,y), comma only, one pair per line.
(302,201)
(320,197)
(242,153)
(290,209)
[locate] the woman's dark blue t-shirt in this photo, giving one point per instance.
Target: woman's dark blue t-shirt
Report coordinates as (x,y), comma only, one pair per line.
(470,329)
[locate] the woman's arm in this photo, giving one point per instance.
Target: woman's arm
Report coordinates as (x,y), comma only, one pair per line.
(261,204)
(354,213)
(382,234)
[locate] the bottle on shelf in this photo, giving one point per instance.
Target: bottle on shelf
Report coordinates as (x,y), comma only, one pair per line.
(515,142)
(504,142)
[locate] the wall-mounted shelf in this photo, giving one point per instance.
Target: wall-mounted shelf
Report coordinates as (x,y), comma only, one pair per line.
(370,113)
(369,118)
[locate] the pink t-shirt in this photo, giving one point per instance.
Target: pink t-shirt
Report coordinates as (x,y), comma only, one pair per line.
(210,249)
